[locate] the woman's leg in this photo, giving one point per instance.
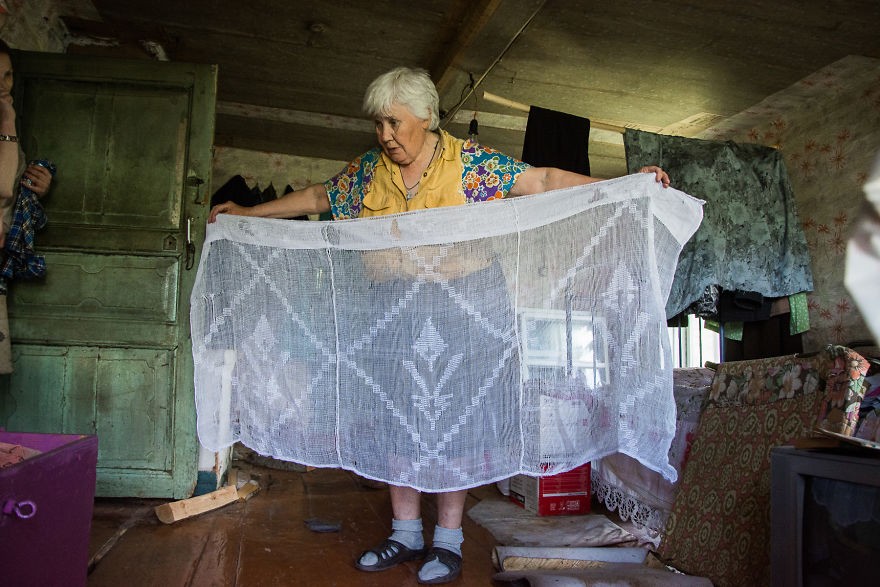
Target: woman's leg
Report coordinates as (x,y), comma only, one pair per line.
(406,503)
(406,529)
(448,537)
(450,508)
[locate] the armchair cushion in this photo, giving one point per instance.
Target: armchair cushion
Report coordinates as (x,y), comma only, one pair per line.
(720,522)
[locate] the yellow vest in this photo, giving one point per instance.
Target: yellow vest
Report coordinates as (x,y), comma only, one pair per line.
(440,184)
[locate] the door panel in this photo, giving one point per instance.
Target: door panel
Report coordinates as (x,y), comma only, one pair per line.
(134,399)
(142,288)
(133,137)
(101,343)
(120,395)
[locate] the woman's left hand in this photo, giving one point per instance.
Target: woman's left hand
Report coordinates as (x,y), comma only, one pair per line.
(37,178)
(659,173)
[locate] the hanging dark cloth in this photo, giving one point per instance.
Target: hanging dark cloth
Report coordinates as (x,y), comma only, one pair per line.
(765,338)
(743,306)
(557,139)
(237,191)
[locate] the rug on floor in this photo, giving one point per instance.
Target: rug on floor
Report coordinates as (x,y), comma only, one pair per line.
(512,525)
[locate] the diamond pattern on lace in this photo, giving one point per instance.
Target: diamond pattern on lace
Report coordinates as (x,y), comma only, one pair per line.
(395,346)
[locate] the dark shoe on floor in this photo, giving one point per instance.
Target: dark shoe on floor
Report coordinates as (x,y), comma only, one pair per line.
(390,554)
(449,559)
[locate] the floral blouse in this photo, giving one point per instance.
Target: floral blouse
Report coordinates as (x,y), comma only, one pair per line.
(485,174)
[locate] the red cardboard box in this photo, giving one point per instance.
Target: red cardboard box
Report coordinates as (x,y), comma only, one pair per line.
(557,495)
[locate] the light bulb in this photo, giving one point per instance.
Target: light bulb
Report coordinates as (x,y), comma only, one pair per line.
(473,130)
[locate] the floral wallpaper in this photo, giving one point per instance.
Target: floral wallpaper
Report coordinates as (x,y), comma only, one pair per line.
(827,126)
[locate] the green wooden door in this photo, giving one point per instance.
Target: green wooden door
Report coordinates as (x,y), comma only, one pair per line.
(101,345)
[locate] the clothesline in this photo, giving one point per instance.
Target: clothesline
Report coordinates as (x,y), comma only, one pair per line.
(525,108)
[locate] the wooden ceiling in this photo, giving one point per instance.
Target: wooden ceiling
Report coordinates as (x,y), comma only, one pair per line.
(292,74)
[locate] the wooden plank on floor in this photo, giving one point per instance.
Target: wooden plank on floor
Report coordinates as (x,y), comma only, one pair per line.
(175,511)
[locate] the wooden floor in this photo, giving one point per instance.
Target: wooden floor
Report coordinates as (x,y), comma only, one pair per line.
(265,541)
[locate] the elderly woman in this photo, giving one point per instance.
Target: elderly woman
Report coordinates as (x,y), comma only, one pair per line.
(416,166)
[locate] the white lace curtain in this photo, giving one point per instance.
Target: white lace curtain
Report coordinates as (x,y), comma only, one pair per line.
(446,348)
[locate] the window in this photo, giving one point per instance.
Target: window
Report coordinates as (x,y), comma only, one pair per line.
(694,345)
(557,343)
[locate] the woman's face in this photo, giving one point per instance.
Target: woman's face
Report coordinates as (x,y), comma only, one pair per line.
(401,134)
(5,78)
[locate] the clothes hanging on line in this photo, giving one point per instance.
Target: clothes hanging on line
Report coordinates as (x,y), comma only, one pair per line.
(751,238)
(237,191)
(557,139)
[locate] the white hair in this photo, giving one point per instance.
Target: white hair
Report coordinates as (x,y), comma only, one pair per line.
(408,87)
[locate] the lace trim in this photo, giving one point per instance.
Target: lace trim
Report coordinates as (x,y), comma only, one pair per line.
(649,520)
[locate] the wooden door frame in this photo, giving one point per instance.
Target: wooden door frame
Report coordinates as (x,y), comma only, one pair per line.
(200,81)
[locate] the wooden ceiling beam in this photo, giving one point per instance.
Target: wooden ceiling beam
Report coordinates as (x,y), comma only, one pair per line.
(137,41)
(459,30)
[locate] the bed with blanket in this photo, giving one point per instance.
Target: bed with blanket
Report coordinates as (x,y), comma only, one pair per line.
(754,405)
(638,494)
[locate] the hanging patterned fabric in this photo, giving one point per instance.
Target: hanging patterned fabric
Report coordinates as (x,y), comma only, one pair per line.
(446,348)
(751,238)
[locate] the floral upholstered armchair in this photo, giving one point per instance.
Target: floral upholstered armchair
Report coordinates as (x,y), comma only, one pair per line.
(719,526)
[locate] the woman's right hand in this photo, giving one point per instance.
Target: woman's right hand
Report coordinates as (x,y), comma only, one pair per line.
(227,208)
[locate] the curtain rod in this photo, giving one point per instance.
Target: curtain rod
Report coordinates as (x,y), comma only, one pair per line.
(525,108)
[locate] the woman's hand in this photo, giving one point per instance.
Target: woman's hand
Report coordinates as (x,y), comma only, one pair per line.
(37,178)
(659,173)
(229,207)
